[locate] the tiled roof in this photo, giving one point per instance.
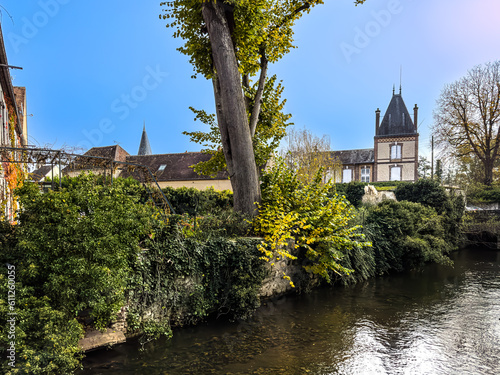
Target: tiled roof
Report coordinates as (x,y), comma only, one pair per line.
(363,156)
(40,173)
(173,167)
(397,119)
(115,152)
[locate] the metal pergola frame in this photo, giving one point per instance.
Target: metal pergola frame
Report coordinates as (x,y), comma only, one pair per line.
(46,156)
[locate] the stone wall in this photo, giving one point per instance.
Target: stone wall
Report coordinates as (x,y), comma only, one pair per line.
(274,285)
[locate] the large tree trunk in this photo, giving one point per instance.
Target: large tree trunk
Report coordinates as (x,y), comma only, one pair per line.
(488,171)
(231,112)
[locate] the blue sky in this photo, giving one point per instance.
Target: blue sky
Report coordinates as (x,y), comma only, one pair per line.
(96,70)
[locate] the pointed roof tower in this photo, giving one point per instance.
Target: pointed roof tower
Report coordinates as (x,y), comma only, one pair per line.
(397,119)
(144,147)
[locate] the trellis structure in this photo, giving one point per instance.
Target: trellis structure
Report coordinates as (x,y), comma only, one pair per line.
(72,164)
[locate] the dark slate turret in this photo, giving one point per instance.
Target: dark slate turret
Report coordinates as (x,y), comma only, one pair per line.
(144,148)
(397,120)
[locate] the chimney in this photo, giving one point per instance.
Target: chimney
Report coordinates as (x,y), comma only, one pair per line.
(377,120)
(415,116)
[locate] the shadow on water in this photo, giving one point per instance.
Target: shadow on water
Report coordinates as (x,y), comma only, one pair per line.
(442,320)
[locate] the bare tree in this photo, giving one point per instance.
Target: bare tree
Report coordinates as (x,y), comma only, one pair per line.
(467,117)
(306,153)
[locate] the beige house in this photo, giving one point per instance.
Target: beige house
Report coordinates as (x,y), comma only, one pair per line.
(395,153)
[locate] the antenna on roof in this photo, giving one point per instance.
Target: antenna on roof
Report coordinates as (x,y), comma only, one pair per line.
(400,78)
(393,89)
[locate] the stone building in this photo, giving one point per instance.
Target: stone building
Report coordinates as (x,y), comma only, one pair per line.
(395,153)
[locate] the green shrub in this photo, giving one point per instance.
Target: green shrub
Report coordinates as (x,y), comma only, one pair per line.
(182,280)
(193,202)
(390,184)
(319,223)
(76,245)
(484,194)
(354,192)
(385,188)
(46,340)
(431,194)
(425,191)
(227,223)
(406,235)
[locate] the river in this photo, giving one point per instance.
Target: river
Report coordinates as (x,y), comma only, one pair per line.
(441,320)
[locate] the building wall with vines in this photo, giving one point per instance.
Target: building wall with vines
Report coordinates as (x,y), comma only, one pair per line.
(12,174)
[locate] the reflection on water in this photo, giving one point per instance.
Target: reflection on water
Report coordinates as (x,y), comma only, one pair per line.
(440,321)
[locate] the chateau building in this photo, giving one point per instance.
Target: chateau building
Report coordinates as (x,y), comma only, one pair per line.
(395,153)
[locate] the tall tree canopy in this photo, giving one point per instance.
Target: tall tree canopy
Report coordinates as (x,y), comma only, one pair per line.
(467,118)
(232,42)
(270,130)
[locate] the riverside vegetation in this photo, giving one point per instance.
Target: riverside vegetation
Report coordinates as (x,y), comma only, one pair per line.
(90,248)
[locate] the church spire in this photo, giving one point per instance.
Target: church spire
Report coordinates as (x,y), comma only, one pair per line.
(144,147)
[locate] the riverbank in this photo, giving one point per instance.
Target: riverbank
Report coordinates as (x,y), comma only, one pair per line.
(410,322)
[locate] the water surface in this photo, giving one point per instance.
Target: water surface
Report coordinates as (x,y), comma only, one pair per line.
(441,320)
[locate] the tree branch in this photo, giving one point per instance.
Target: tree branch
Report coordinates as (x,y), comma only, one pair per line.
(245,80)
(254,119)
(288,17)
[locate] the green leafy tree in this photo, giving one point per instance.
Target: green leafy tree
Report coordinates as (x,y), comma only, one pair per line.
(424,167)
(319,223)
(232,43)
(271,128)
